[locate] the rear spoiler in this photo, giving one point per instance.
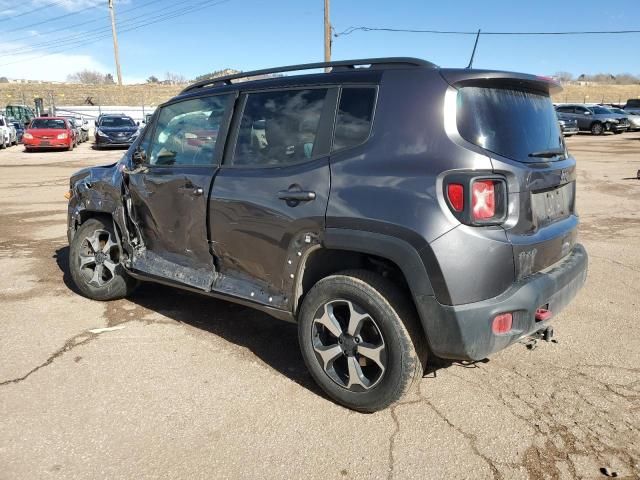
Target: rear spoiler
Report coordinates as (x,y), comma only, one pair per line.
(458,77)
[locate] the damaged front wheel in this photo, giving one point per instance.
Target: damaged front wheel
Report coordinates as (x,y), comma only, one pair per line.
(94,262)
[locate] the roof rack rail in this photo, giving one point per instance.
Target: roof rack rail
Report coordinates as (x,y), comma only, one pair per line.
(335,66)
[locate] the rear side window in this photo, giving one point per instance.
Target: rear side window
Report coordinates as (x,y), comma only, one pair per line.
(355,113)
(509,122)
(565,109)
(279,128)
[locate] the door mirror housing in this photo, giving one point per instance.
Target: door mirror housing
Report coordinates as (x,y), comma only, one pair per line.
(139,157)
(586,113)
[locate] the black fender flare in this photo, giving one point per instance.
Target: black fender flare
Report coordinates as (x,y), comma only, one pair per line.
(392,248)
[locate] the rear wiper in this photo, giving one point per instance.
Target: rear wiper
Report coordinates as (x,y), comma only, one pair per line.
(547,153)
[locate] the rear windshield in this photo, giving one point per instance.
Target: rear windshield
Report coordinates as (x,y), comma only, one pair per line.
(635,103)
(116,122)
(509,122)
(48,123)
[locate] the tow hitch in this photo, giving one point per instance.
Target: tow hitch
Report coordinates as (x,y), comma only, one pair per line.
(545,334)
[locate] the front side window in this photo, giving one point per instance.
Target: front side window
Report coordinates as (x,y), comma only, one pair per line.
(186,132)
(355,114)
(279,127)
(513,123)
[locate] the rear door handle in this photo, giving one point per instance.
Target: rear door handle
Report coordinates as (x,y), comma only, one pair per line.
(297,195)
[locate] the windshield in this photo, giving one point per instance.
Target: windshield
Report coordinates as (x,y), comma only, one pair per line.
(117,122)
(600,110)
(48,123)
(618,110)
(512,123)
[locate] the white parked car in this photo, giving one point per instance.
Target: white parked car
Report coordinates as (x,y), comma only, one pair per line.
(6,137)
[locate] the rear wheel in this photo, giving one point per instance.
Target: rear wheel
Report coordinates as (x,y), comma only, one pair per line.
(597,129)
(360,340)
(94,262)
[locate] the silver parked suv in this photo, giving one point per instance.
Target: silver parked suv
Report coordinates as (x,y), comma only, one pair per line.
(595,119)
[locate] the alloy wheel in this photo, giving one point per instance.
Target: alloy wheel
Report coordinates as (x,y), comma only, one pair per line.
(349,345)
(99,257)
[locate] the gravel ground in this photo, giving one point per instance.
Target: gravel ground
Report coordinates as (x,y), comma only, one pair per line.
(191,387)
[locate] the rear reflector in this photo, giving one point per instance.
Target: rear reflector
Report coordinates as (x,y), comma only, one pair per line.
(455,194)
(542,314)
(483,199)
(502,323)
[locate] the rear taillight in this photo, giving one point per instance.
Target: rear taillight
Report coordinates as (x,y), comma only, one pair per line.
(476,200)
(455,195)
(483,199)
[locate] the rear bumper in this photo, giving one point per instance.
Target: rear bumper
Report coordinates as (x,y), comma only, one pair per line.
(464,332)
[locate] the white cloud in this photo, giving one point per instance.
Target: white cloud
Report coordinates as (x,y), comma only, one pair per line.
(54,67)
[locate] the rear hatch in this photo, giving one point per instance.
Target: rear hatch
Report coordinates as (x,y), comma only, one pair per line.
(511,118)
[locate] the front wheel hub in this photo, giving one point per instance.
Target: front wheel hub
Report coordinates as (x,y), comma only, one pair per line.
(349,345)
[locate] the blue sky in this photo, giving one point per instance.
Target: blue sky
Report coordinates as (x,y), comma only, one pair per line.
(249,34)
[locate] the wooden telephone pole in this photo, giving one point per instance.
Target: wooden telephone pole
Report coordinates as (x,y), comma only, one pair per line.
(115,41)
(327,34)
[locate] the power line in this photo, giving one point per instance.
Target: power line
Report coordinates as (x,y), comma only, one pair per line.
(77,12)
(73,39)
(197,7)
(66,27)
(28,12)
(351,30)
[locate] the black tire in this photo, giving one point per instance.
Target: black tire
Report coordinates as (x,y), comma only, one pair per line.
(3,145)
(597,129)
(70,147)
(112,282)
(391,319)
(618,132)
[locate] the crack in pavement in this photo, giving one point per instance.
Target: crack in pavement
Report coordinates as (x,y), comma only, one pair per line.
(75,341)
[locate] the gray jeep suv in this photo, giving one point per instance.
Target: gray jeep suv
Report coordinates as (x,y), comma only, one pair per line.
(396,211)
(595,119)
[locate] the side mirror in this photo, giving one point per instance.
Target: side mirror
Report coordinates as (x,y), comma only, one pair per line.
(139,157)
(587,113)
(138,123)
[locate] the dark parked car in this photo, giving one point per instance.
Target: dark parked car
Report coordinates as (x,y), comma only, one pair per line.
(115,131)
(595,119)
(568,125)
(396,212)
(19,126)
(633,106)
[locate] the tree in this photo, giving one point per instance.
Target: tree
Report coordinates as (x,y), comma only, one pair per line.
(108,79)
(152,79)
(564,77)
(4,80)
(90,77)
(174,78)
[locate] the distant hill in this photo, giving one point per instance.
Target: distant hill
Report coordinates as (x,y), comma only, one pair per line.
(155,94)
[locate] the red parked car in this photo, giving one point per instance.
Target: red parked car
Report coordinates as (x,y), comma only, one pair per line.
(49,132)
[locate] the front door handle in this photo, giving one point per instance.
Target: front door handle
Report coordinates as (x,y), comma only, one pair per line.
(296,195)
(192,190)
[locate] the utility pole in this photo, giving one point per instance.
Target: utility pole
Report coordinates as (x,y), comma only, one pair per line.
(115,41)
(327,34)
